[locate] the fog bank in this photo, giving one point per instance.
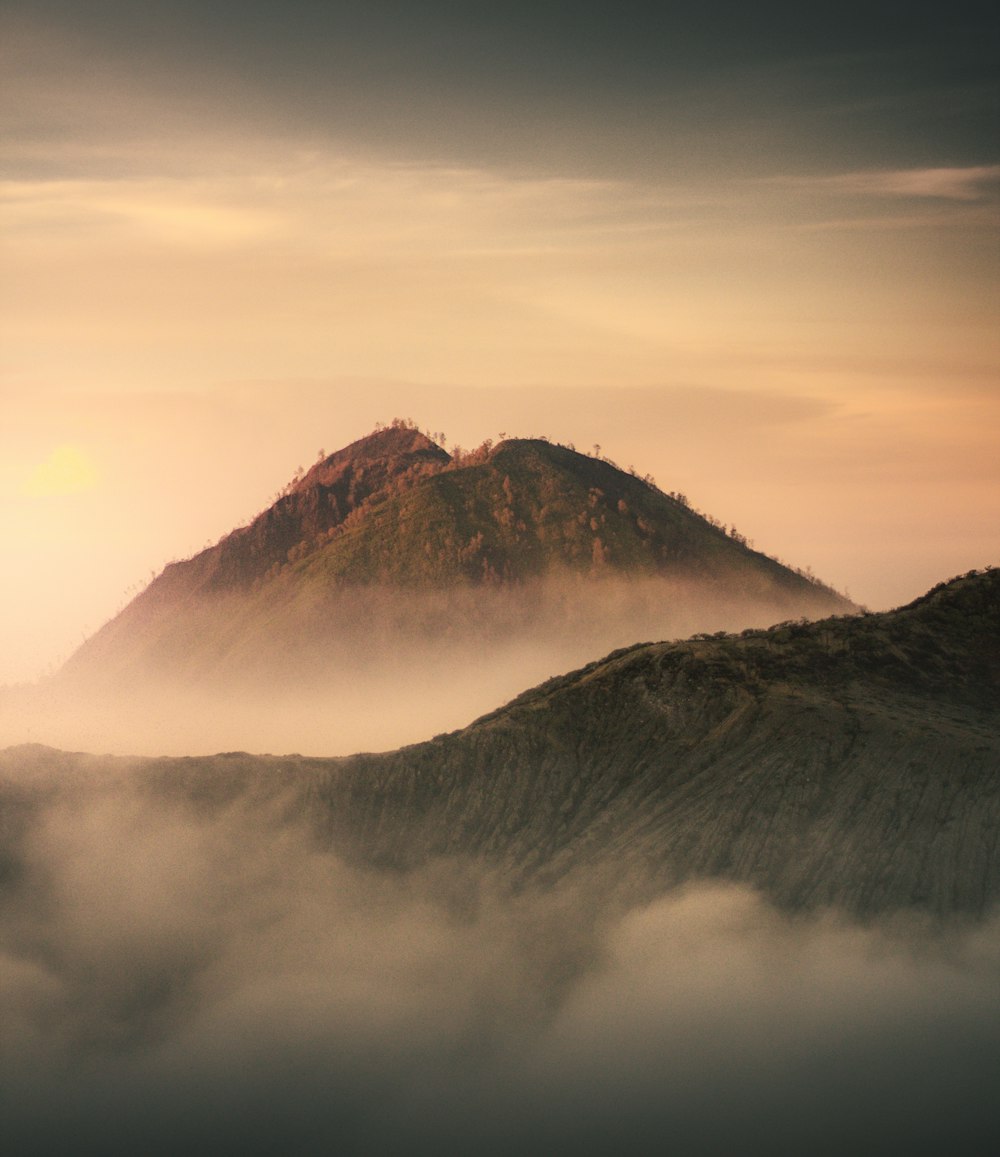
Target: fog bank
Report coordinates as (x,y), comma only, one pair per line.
(183,978)
(365,669)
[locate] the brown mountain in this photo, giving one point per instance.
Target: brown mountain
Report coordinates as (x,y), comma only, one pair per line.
(392,541)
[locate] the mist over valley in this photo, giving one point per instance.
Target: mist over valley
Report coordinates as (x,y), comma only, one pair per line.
(732,892)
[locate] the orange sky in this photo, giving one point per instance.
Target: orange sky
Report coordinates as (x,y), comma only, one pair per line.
(788,314)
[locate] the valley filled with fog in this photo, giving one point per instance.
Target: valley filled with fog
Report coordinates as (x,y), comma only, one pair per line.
(181,974)
(367,669)
(732,894)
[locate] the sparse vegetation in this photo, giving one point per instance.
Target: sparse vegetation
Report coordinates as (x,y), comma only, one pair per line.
(396,510)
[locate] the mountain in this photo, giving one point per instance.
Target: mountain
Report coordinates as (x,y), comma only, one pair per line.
(392,540)
(734,894)
(852,762)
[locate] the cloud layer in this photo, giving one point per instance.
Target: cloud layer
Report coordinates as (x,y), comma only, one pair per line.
(183,976)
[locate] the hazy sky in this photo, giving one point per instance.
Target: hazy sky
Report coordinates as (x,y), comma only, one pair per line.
(749,248)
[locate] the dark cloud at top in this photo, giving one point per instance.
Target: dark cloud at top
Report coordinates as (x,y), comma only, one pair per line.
(595,85)
(622,33)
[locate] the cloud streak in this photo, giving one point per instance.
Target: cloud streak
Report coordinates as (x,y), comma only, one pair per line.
(971,183)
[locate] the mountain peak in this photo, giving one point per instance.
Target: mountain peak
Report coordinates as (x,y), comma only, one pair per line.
(398,444)
(509,539)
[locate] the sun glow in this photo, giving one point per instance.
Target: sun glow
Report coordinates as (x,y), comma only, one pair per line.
(67,470)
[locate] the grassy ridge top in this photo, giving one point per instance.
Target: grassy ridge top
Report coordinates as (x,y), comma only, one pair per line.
(945,644)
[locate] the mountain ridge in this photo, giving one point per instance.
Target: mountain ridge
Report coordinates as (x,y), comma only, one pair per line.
(869,782)
(966,667)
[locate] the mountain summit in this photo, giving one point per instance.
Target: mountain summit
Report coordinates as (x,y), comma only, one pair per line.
(395,508)
(393,555)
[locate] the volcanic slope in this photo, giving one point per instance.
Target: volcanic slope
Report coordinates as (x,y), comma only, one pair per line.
(391,541)
(852,762)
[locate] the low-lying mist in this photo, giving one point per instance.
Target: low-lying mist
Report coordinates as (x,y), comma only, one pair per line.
(184,978)
(362,669)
